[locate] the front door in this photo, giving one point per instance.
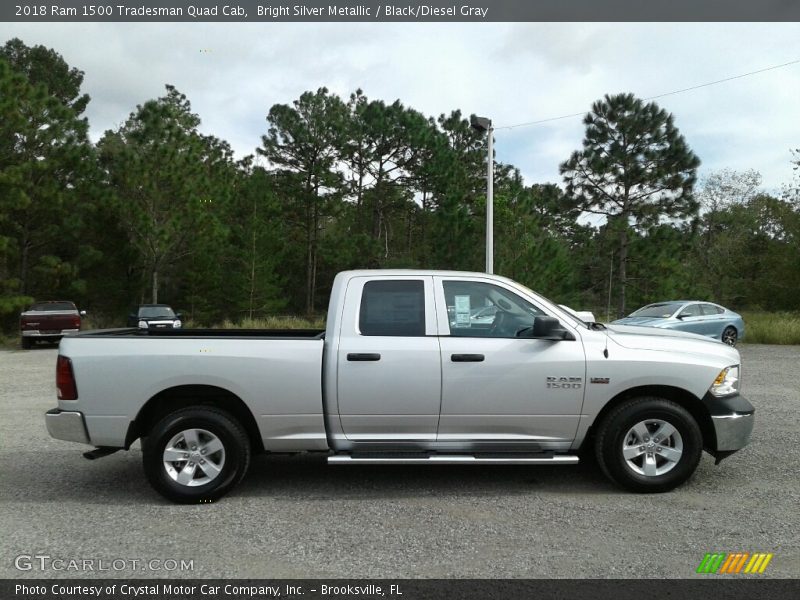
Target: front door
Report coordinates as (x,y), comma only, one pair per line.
(499,389)
(691,319)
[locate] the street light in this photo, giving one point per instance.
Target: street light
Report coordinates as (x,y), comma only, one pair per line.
(484,124)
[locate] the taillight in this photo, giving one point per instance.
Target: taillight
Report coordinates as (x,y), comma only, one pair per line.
(76,322)
(65,379)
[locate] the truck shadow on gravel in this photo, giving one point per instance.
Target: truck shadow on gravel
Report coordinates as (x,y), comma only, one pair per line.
(312,478)
(119,479)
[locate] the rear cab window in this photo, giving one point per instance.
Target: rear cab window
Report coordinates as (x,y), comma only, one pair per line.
(53,306)
(392,308)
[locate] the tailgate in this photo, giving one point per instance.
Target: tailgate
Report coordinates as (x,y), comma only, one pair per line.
(51,321)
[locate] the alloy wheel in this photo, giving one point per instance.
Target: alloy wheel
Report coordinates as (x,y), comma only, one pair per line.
(652,447)
(194,457)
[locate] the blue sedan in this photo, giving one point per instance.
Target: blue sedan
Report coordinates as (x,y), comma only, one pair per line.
(704,318)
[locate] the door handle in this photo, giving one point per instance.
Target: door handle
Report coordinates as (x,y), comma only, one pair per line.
(467,357)
(362,356)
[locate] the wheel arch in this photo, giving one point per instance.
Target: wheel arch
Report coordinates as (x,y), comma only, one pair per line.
(693,405)
(184,396)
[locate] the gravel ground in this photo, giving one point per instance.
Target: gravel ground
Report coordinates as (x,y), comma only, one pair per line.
(297,517)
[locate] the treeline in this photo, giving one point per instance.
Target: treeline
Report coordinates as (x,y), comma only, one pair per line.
(158,211)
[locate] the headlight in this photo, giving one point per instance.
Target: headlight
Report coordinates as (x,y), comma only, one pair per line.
(142,324)
(726,383)
(176,324)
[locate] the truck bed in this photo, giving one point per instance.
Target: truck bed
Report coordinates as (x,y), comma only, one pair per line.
(277,374)
(262,334)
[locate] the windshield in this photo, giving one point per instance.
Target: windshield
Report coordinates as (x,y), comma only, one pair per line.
(154,312)
(662,310)
(53,306)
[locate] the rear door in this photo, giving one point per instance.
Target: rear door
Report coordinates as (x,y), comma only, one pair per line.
(713,321)
(388,360)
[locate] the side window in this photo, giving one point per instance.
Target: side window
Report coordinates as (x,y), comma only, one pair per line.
(478,309)
(693,310)
(395,308)
(710,309)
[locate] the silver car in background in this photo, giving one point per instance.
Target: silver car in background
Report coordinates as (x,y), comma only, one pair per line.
(691,316)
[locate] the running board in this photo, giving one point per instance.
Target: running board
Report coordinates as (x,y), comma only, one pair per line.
(442,459)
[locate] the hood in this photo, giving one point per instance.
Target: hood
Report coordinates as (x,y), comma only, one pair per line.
(648,338)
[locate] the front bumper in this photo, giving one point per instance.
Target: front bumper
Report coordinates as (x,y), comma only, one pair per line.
(66,425)
(156,325)
(733,419)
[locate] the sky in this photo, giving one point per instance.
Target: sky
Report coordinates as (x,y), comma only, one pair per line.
(510,72)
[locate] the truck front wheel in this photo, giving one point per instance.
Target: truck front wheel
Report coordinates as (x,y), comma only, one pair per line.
(648,445)
(195,454)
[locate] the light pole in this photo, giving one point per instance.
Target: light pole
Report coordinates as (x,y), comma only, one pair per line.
(484,124)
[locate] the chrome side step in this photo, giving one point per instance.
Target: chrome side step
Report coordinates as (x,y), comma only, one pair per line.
(442,459)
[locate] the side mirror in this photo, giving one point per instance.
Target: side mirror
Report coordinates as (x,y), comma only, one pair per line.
(683,316)
(82,313)
(179,315)
(132,315)
(546,328)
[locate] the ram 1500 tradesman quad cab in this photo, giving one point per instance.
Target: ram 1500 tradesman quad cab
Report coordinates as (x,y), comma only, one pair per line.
(406,373)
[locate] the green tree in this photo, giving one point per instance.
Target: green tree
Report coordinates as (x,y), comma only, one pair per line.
(635,168)
(257,244)
(760,240)
(718,193)
(304,144)
(44,66)
(384,141)
(167,183)
(529,246)
(45,158)
(458,196)
(793,193)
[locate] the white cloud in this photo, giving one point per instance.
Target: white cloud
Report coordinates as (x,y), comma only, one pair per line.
(513,73)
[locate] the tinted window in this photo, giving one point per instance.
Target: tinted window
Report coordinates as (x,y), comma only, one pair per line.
(693,310)
(662,310)
(478,309)
(153,312)
(393,308)
(53,306)
(710,309)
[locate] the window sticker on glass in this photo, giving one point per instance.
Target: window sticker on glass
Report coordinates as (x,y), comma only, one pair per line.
(462,311)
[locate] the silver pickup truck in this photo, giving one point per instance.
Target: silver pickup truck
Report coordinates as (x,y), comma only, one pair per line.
(408,371)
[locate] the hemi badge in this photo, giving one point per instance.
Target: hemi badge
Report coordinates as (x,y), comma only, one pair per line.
(600,380)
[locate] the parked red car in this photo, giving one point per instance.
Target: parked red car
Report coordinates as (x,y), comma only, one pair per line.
(49,321)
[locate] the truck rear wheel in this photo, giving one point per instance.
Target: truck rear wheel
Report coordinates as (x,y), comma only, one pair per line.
(195,454)
(649,445)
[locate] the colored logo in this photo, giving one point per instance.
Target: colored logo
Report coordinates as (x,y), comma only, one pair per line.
(734,563)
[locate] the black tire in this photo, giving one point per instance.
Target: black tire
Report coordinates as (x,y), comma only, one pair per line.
(236,454)
(730,336)
(26,343)
(617,426)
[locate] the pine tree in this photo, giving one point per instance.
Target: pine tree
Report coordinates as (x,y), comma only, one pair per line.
(635,168)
